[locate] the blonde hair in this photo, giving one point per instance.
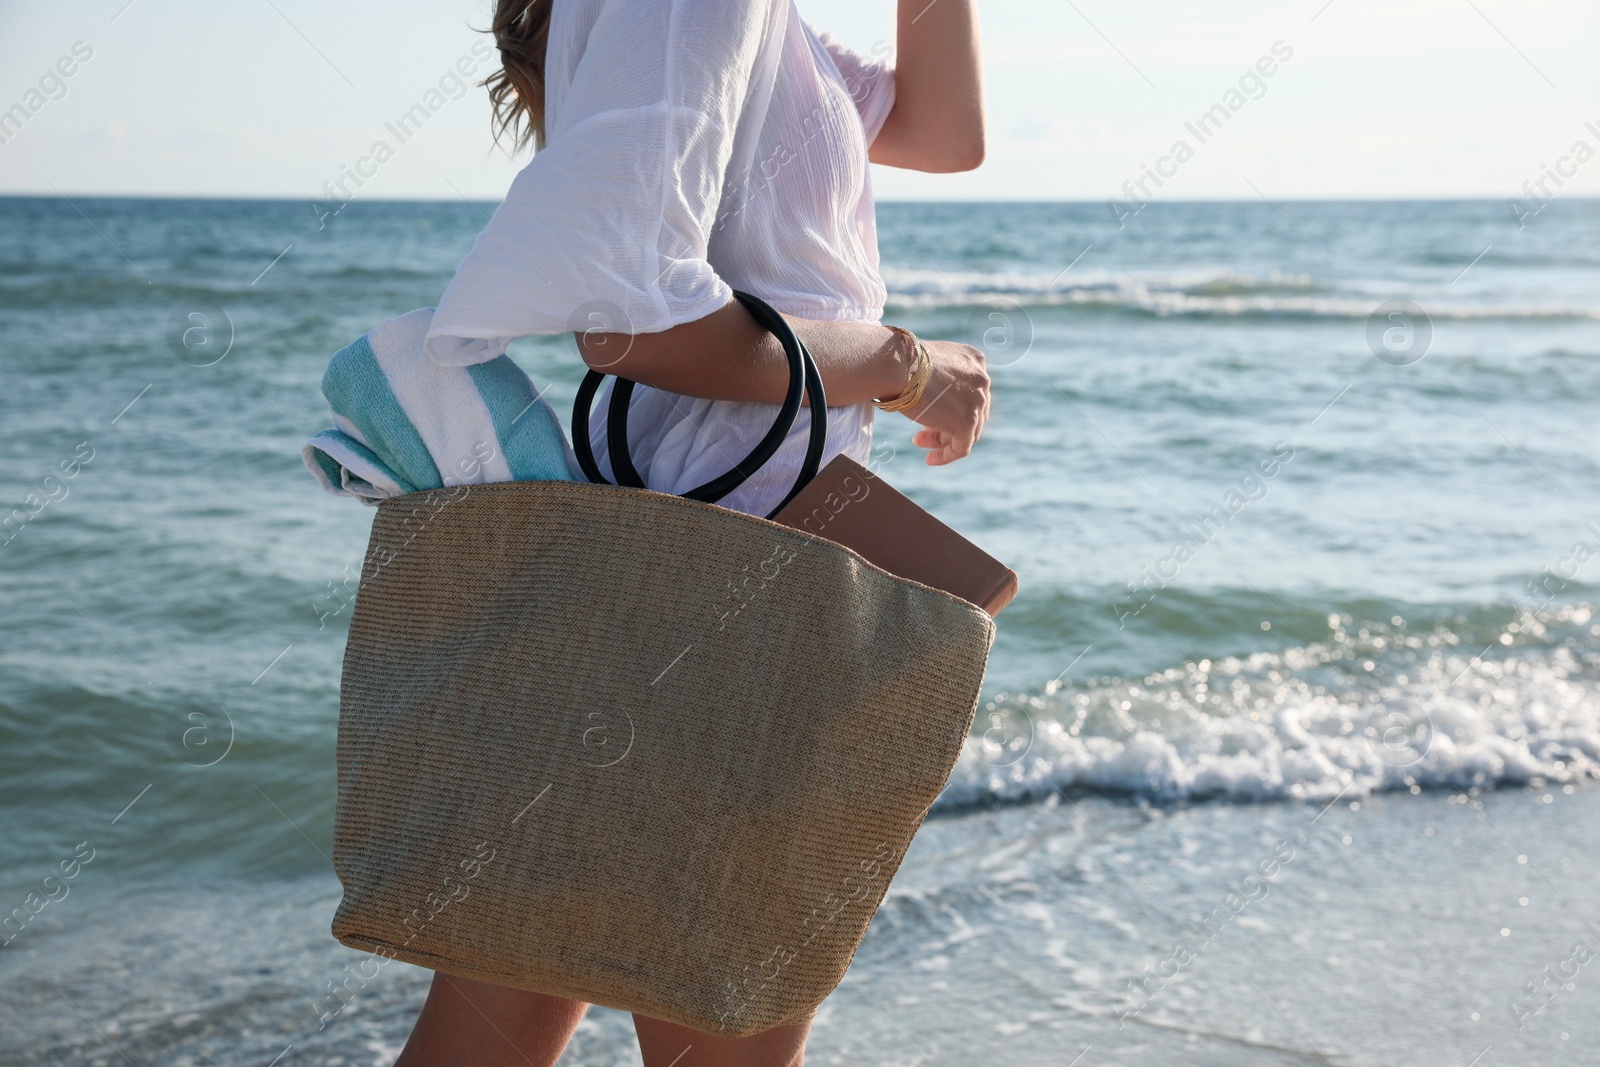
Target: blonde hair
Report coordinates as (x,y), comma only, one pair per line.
(521,30)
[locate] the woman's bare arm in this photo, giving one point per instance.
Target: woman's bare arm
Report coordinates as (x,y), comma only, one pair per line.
(936,123)
(727,355)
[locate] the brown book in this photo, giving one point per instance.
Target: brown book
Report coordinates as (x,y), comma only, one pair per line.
(850,505)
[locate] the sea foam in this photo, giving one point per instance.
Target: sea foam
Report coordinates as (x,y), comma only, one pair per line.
(1195,294)
(1370,708)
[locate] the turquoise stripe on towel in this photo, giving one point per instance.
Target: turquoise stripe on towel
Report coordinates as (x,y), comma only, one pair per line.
(335,471)
(530,437)
(332,470)
(356,387)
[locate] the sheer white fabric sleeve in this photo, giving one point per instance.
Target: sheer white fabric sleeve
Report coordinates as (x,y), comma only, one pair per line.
(870,80)
(607,226)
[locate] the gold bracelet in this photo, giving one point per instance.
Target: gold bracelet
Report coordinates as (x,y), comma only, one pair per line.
(919,382)
(920,376)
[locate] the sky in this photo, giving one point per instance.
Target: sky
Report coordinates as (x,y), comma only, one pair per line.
(1367,98)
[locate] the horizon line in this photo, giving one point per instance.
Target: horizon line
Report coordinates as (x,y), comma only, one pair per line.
(1376,198)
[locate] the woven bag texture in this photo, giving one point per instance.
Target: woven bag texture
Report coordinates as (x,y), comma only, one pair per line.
(650,753)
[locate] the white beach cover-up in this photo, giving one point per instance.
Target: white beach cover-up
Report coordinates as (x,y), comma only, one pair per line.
(693,147)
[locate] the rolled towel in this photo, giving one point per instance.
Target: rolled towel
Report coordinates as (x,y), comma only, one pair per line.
(403,423)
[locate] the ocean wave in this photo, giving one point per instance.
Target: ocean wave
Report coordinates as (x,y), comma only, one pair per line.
(1374,708)
(1219,294)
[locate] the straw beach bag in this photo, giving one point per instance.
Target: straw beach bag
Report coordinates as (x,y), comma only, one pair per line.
(638,749)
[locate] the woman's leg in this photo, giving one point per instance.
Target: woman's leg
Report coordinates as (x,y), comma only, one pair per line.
(468,1022)
(665,1044)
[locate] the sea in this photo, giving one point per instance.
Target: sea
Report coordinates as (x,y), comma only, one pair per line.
(1287,749)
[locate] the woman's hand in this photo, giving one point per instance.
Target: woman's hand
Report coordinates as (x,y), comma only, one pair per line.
(955,404)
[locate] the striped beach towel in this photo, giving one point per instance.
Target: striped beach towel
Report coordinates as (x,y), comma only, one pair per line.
(403,423)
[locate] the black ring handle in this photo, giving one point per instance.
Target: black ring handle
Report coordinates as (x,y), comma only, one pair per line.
(803,374)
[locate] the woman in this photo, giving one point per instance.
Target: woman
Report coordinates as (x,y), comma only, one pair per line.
(688,148)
